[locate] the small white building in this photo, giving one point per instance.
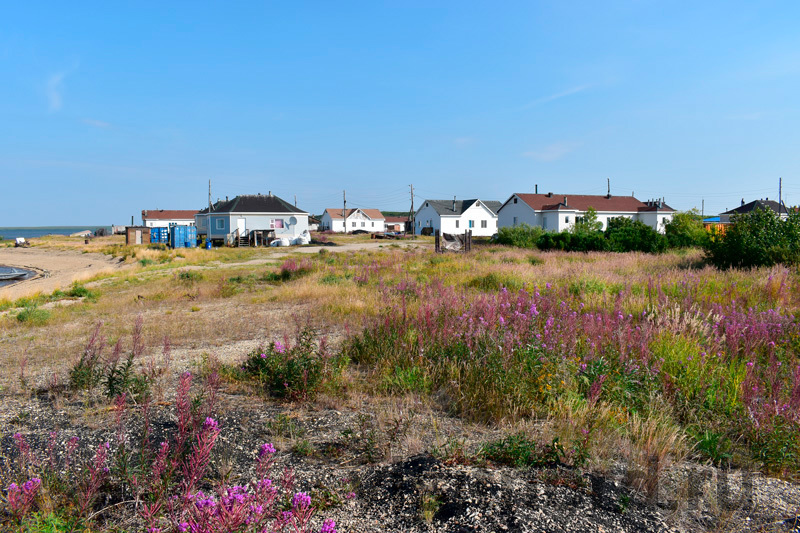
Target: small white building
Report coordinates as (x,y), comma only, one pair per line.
(337,220)
(457,216)
(163,218)
(244,214)
(554,212)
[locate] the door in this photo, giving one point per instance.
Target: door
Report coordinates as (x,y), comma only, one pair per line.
(240,225)
(138,236)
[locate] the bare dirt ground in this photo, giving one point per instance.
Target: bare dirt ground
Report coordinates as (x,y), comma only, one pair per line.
(57,269)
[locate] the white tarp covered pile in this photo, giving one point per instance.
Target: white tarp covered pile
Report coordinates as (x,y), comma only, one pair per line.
(303,238)
(283,241)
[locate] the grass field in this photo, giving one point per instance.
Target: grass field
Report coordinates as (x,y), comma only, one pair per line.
(645,359)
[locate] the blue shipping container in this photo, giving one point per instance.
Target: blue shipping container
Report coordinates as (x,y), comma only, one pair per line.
(177,237)
(191,237)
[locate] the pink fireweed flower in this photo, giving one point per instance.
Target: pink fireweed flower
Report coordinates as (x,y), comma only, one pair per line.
(279,347)
(329,526)
(265,449)
(301,500)
(263,356)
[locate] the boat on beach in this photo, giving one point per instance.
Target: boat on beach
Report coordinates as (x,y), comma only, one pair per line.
(12,274)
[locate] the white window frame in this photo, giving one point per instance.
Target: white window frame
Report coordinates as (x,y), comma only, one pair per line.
(219,223)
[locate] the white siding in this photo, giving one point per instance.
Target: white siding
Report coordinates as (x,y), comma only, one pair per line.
(520,211)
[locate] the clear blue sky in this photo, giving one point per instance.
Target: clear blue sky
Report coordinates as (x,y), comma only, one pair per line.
(108,108)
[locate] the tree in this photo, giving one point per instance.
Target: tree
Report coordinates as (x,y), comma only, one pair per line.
(686,230)
(588,223)
(626,235)
(758,238)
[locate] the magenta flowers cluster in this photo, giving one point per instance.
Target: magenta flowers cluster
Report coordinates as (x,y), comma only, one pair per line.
(21,498)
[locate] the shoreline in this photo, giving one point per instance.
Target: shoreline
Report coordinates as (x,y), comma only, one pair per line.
(54,269)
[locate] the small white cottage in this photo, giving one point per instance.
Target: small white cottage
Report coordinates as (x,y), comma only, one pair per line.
(341,221)
(457,216)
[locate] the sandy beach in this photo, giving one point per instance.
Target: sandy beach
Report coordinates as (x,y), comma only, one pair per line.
(56,269)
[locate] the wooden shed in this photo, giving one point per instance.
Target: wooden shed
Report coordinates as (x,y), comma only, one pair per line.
(137,235)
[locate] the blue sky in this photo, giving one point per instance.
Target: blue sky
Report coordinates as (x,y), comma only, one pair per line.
(109,108)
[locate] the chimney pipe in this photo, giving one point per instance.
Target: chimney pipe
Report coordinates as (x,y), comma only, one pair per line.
(742,201)
(565,200)
(454,204)
(549,195)
(536,189)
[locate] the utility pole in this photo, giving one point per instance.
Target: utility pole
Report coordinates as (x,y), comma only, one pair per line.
(608,181)
(295,200)
(209,196)
(703,208)
(411,213)
(344,211)
(780,197)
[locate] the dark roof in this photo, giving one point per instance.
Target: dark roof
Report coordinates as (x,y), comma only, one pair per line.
(582,202)
(772,205)
(254,203)
(445,207)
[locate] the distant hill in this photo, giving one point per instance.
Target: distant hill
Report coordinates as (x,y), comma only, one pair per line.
(394,213)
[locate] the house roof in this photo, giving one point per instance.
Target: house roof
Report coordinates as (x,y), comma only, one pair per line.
(445,207)
(373,214)
(396,220)
(772,205)
(168,214)
(254,203)
(582,202)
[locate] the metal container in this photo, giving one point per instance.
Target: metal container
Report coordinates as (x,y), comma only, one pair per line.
(191,236)
(177,236)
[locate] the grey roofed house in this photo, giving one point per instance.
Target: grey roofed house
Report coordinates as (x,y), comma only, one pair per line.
(253,203)
(446,207)
(771,205)
(246,213)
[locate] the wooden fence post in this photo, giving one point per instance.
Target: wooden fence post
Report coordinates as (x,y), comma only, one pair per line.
(437,244)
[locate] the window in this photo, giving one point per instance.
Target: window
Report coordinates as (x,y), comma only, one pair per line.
(515,219)
(363,224)
(484,224)
(515,200)
(373,224)
(220,223)
(471,223)
(579,220)
(277,223)
(566,219)
(456,224)
(354,224)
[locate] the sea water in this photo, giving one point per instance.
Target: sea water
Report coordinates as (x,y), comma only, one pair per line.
(10,234)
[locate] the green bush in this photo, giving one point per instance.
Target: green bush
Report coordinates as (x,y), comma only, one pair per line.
(626,235)
(522,236)
(758,238)
(520,451)
(295,372)
(686,230)
(33,315)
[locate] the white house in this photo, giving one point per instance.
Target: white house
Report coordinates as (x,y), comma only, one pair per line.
(248,213)
(457,216)
(560,212)
(163,218)
(338,220)
(395,224)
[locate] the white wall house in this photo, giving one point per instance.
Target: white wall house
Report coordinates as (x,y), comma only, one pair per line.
(554,212)
(252,212)
(333,219)
(163,218)
(457,216)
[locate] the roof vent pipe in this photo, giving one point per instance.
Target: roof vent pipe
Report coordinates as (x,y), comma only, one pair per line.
(536,189)
(742,201)
(549,195)
(454,204)
(565,201)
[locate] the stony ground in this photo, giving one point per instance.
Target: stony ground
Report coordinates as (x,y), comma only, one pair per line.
(396,459)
